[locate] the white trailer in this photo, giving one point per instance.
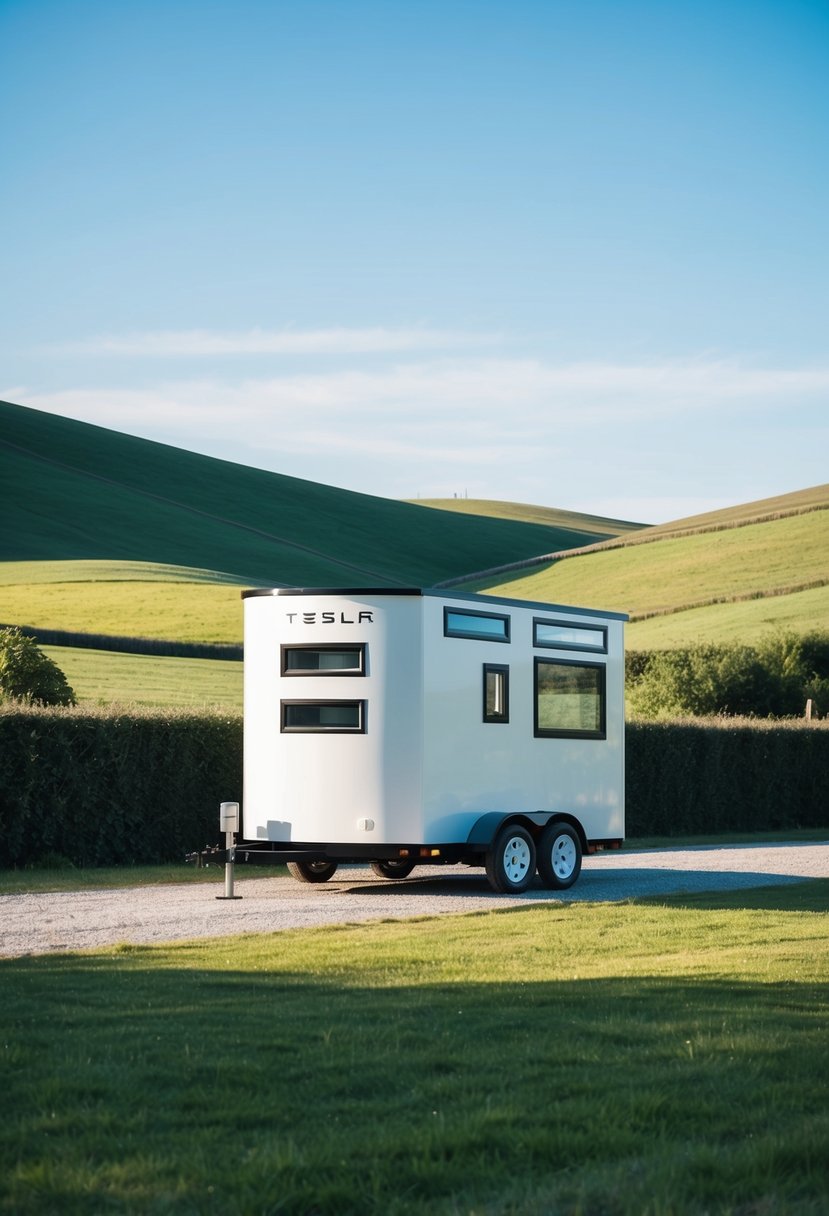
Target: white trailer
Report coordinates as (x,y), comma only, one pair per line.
(407,727)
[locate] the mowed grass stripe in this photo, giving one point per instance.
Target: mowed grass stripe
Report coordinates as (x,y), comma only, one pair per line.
(181,612)
(104,677)
(667,1058)
(679,572)
(744,623)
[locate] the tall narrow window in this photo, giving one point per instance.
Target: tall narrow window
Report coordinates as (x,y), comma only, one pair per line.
(569,699)
(496,693)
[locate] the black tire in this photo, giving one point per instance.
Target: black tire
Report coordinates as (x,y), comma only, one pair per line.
(312,871)
(393,867)
(559,856)
(510,863)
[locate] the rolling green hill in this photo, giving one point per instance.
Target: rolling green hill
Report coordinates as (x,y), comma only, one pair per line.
(598,526)
(79,492)
(728,576)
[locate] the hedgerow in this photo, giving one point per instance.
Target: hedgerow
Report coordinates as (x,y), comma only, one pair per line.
(128,786)
(708,776)
(113,786)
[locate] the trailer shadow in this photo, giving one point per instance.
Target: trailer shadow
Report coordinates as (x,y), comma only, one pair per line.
(610,886)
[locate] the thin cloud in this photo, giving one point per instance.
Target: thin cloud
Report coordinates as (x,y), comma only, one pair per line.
(204,343)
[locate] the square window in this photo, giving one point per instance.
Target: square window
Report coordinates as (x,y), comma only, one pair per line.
(569,699)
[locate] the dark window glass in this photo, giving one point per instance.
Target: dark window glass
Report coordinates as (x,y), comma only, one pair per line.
(328,660)
(569,699)
(333,717)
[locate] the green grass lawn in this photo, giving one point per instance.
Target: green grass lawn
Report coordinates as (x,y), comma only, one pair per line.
(665,1058)
(104,676)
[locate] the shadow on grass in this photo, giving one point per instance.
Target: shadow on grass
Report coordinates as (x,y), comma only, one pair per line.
(143,1080)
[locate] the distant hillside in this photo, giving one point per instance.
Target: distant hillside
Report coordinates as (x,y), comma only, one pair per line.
(72,491)
(598,526)
(730,575)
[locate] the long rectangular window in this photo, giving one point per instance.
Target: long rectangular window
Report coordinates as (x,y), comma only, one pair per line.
(563,635)
(569,699)
(325,717)
(483,626)
(496,693)
(328,659)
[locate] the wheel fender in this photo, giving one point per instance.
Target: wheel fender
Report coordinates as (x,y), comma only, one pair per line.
(485,829)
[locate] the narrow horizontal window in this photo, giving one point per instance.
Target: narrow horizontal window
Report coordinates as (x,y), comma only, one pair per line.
(496,693)
(486,626)
(326,660)
(325,717)
(561,635)
(569,699)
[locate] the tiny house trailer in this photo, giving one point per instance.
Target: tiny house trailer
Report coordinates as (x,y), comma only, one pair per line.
(406,727)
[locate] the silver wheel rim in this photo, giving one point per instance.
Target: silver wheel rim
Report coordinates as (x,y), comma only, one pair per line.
(564,856)
(318,867)
(516,859)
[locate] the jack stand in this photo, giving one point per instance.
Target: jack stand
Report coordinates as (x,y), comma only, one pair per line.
(229,820)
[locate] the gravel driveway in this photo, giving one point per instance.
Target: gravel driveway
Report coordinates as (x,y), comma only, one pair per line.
(85,920)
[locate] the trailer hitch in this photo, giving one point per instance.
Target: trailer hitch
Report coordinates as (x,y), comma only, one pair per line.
(216,853)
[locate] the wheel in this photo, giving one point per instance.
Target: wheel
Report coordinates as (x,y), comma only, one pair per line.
(393,867)
(559,856)
(510,863)
(312,871)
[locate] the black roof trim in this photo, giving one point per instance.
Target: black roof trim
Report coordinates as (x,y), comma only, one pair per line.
(444,594)
(332,591)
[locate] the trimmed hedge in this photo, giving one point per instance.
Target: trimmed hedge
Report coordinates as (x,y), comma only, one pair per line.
(716,775)
(128,786)
(113,786)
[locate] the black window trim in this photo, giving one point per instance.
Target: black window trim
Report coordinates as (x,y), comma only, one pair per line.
(502,669)
(323,671)
(543,733)
(323,730)
(546,620)
(473,614)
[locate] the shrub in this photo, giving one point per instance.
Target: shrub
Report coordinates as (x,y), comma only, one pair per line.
(27,674)
(773,679)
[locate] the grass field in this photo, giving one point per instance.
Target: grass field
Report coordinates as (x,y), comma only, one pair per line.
(678,572)
(664,1058)
(599,526)
(721,624)
(182,612)
(104,676)
(75,491)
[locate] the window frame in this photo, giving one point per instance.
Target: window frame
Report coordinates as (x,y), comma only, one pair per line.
(287,703)
(473,614)
(313,673)
(564,733)
(498,669)
(587,649)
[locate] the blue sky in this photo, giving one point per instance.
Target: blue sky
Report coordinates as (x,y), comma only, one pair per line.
(554,252)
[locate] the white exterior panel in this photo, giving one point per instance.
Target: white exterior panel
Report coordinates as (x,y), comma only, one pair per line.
(323,787)
(427,765)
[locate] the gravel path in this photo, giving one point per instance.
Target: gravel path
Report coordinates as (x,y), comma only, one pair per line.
(85,920)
